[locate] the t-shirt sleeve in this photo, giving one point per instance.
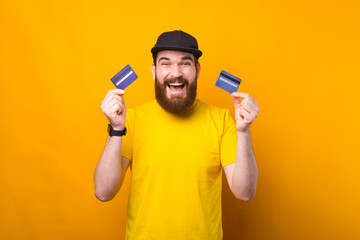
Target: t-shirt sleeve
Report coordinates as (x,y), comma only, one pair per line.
(228,141)
(127,145)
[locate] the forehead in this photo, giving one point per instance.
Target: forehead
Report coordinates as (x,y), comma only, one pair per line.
(174,55)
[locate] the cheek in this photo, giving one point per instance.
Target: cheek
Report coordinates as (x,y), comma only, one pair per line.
(160,75)
(191,75)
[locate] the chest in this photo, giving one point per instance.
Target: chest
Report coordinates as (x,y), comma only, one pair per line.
(188,145)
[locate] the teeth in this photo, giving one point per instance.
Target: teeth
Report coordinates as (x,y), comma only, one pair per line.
(176,84)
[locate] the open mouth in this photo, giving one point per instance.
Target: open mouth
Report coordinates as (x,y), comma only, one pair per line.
(176,87)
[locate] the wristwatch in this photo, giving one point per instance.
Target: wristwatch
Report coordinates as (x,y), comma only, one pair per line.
(113,132)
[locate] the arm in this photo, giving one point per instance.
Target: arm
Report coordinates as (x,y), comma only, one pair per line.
(110,170)
(243,174)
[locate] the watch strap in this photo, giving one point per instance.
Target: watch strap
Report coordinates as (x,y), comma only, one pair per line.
(113,132)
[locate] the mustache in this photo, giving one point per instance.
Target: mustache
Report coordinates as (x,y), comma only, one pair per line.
(181,80)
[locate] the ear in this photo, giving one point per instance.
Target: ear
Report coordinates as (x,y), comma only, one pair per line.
(153,70)
(198,68)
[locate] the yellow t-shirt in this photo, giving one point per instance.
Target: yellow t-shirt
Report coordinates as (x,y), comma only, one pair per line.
(176,171)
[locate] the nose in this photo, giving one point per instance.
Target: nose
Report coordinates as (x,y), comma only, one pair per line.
(175,71)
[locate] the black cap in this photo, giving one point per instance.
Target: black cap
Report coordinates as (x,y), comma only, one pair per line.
(177,40)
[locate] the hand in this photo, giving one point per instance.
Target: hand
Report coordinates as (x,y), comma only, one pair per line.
(114,108)
(245,111)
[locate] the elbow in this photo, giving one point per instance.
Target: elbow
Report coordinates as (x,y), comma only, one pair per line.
(102,198)
(246,197)
(102,195)
(244,192)
(104,190)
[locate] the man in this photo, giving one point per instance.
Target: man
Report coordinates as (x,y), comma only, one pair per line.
(176,148)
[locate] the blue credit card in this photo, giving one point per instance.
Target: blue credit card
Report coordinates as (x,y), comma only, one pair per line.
(124,78)
(228,82)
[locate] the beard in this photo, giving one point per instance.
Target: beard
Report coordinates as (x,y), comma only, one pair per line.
(177,104)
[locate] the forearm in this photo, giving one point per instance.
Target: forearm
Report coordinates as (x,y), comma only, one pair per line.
(245,175)
(108,170)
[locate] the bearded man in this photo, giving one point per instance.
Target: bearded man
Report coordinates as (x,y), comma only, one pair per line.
(176,148)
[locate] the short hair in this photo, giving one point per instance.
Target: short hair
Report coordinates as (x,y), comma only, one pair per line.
(196,61)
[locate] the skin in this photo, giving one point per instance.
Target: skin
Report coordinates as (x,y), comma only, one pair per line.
(243,174)
(111,169)
(175,64)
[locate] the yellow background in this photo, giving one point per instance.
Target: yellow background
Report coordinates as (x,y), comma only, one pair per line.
(298,59)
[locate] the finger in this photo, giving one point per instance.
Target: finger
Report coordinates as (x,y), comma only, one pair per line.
(241,113)
(115,109)
(112,96)
(240,95)
(249,107)
(115,101)
(112,92)
(249,101)
(251,113)
(236,100)
(252,101)
(245,114)
(116,97)
(119,92)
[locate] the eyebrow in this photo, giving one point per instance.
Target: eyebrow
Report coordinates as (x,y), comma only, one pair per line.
(163,58)
(187,58)
(183,58)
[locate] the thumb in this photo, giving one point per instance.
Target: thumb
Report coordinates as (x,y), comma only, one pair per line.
(235,98)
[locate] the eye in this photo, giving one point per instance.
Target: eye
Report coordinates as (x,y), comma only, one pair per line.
(164,63)
(186,63)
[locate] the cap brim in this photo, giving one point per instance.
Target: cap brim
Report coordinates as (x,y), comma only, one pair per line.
(195,52)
